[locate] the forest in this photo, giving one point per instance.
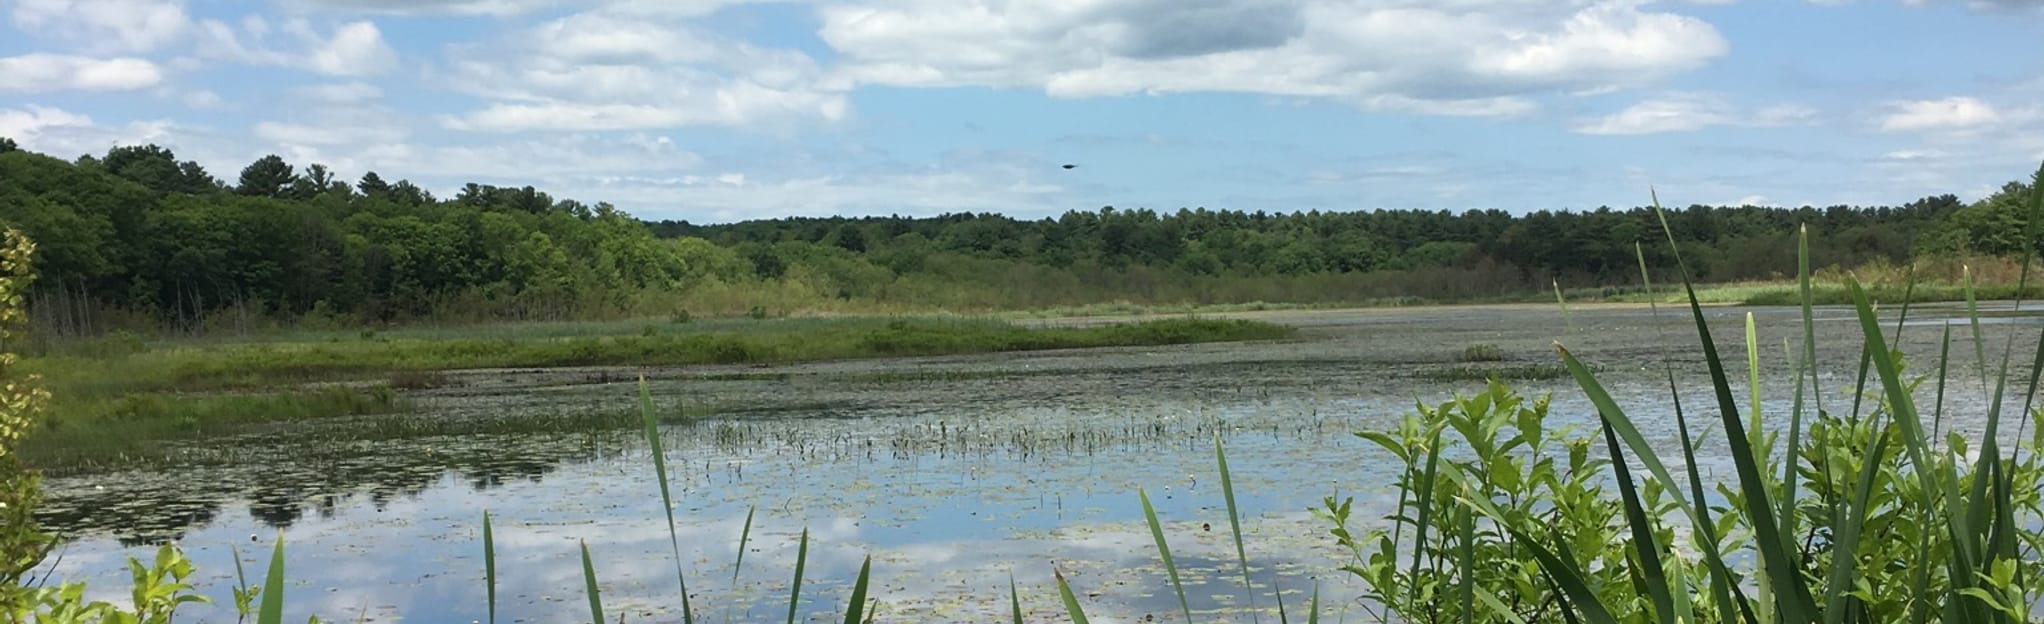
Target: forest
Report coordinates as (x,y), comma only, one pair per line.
(137,239)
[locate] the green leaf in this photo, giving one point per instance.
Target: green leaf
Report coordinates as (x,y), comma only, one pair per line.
(589,585)
(1072,608)
(858,602)
(801,559)
(272,608)
(1164,551)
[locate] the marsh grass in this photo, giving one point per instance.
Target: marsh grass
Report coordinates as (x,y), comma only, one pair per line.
(1866,519)
(1483,352)
(1529,371)
(269,365)
(99,427)
(124,403)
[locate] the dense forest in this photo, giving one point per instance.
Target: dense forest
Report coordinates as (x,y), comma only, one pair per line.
(138,239)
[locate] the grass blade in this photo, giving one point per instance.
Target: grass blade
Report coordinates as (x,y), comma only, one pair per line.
(1424,501)
(1779,562)
(1964,553)
(490,565)
(744,536)
(1234,518)
(1844,557)
(1072,607)
(1014,598)
(801,559)
(1563,302)
(1163,550)
(272,609)
(1644,546)
(1720,575)
(589,584)
(1313,608)
(652,423)
(1466,522)
(858,604)
(1498,607)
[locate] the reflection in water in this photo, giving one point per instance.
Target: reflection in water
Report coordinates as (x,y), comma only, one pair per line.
(949,498)
(951,484)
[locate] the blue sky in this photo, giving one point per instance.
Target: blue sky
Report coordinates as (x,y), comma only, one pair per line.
(723,110)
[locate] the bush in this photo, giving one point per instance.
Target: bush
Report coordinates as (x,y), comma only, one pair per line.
(1483,352)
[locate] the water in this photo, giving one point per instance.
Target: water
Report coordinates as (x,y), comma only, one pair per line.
(951,473)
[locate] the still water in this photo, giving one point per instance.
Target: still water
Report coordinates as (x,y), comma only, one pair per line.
(953,474)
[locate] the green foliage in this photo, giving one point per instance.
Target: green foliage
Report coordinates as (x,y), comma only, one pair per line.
(1867,518)
(23,401)
(137,239)
(1483,352)
(1544,482)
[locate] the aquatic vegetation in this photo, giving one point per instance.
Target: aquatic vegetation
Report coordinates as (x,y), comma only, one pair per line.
(1868,518)
(1483,352)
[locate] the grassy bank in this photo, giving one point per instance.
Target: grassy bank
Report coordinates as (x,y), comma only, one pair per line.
(116,400)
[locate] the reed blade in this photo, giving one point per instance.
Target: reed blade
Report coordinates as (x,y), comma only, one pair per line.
(271,611)
(1644,546)
(1721,587)
(801,559)
(857,607)
(1014,599)
(652,424)
(744,536)
(1466,522)
(589,584)
(1164,551)
(1965,554)
(1234,518)
(490,565)
(1779,563)
(1072,608)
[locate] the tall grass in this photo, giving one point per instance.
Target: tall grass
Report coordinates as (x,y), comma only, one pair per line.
(1868,518)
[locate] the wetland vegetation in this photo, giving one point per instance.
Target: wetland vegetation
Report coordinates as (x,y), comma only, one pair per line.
(387,421)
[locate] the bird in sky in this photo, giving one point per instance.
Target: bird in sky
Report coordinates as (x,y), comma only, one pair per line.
(1071,166)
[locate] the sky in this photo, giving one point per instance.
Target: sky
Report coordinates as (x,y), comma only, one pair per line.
(727,110)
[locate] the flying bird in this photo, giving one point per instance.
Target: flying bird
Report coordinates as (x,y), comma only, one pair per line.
(1071,166)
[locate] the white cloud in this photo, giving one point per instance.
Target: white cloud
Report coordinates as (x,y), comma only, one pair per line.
(350,49)
(25,125)
(202,99)
(1476,51)
(340,93)
(599,71)
(105,25)
(355,49)
(432,7)
(65,134)
(57,72)
(1952,113)
(1685,112)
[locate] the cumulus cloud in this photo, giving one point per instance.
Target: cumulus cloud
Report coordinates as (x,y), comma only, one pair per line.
(354,49)
(349,49)
(1952,113)
(105,25)
(59,72)
(27,123)
(602,71)
(1685,112)
(1471,51)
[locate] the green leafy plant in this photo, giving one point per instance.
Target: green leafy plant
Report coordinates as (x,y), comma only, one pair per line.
(1867,518)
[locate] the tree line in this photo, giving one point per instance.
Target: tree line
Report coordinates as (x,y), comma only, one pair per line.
(137,237)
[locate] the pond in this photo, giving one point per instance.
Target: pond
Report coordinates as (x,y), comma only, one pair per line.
(953,474)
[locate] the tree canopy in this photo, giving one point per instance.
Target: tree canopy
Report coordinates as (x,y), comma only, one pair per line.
(137,233)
